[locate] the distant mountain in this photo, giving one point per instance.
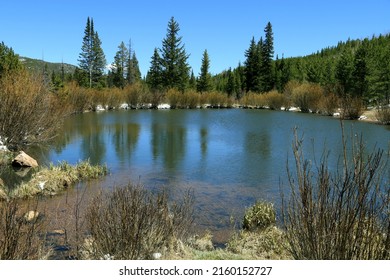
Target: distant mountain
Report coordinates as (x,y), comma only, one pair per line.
(38,65)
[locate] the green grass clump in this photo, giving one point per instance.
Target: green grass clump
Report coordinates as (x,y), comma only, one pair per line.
(259,216)
(55,178)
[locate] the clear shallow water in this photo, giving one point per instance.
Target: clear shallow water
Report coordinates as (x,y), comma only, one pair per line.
(229,157)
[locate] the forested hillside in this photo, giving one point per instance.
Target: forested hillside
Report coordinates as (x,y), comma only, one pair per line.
(345,78)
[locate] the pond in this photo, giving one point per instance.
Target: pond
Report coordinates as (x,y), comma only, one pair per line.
(229,157)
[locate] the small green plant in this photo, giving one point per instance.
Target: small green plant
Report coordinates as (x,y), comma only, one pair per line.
(259,216)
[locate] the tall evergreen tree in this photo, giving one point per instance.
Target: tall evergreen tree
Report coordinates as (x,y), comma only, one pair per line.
(344,69)
(120,59)
(174,58)
(99,61)
(267,71)
(192,82)
(252,66)
(231,83)
(91,58)
(360,72)
(204,81)
(135,68)
(154,77)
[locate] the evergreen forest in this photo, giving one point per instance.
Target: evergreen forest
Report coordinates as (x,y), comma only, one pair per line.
(349,77)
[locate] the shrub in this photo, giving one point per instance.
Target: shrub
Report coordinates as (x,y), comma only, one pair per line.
(132,223)
(383,114)
(29,113)
(351,108)
(259,216)
(307,96)
(329,104)
(251,99)
(191,99)
(275,100)
(134,94)
(174,98)
(342,214)
(19,237)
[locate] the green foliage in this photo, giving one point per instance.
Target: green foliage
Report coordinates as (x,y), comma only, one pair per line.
(91,59)
(259,216)
(9,61)
(154,78)
(204,80)
(174,65)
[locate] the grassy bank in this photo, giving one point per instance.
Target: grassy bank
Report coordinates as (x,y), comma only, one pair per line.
(55,178)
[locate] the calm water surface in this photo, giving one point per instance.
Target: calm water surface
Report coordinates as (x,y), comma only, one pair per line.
(229,157)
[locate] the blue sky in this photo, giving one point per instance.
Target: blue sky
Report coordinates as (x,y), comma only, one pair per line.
(53,29)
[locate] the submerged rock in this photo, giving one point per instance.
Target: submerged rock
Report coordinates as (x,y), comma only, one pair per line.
(24,160)
(31,216)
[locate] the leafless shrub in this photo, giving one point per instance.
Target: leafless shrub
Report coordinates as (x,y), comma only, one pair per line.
(307,97)
(132,223)
(383,114)
(329,104)
(342,214)
(351,108)
(275,100)
(29,113)
(20,236)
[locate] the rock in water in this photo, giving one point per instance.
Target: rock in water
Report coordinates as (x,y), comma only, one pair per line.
(31,216)
(24,160)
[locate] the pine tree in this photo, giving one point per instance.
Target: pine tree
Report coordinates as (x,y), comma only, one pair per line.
(99,62)
(174,59)
(120,59)
(192,82)
(132,66)
(86,58)
(154,76)
(204,82)
(135,67)
(360,72)
(9,61)
(267,71)
(231,83)
(344,69)
(251,66)
(91,58)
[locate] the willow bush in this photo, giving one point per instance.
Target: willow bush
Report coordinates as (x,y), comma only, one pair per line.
(133,223)
(338,214)
(20,238)
(29,112)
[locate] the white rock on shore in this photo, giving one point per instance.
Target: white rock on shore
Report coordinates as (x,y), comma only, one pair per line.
(164,106)
(3,147)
